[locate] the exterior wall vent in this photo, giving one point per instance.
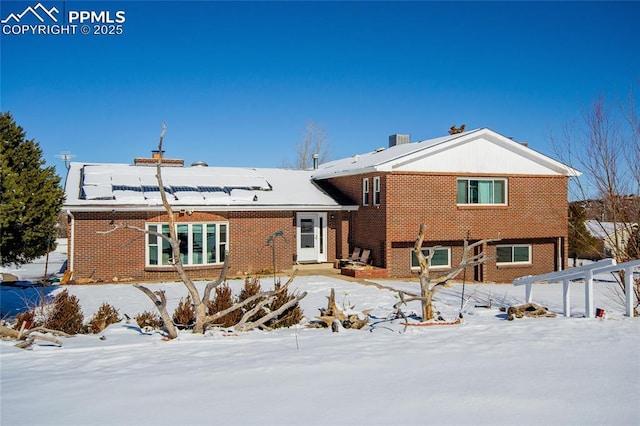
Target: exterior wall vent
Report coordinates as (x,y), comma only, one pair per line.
(398,139)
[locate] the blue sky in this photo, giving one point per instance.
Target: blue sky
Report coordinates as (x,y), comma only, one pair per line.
(236,82)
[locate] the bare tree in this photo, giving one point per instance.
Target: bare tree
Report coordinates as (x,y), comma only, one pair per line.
(604,145)
(200,303)
(314,142)
(430,285)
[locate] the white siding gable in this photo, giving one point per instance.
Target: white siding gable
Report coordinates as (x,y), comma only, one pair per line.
(482,156)
(479,151)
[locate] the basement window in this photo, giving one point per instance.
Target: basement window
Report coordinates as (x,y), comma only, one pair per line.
(441,258)
(481,191)
(513,254)
(200,244)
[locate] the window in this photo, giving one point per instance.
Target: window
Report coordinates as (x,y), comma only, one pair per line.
(481,191)
(376,191)
(365,191)
(513,254)
(200,243)
(441,258)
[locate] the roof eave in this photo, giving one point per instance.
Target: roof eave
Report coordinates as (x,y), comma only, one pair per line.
(201,208)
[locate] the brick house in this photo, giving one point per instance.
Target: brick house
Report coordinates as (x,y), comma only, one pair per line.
(477,184)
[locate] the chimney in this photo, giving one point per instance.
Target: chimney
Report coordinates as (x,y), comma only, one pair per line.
(158,155)
(315,161)
(398,139)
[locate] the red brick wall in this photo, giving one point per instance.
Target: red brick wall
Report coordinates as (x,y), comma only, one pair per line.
(121,253)
(368,225)
(536,213)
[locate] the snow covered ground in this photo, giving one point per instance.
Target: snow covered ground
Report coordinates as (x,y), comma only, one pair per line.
(569,371)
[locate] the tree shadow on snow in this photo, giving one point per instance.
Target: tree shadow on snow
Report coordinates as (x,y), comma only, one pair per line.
(21,296)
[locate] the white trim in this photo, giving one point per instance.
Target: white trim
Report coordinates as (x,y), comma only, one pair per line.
(366,191)
(493,179)
(319,235)
(159,240)
(376,190)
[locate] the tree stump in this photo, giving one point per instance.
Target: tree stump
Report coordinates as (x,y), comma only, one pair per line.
(332,317)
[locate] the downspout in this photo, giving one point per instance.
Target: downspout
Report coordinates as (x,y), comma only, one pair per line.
(560,255)
(71,242)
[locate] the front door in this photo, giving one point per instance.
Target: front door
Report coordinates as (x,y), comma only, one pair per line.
(312,237)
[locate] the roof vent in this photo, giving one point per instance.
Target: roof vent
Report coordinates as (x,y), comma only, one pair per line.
(355,158)
(398,139)
(382,148)
(199,164)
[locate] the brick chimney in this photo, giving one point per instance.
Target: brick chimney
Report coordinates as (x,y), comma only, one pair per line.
(158,155)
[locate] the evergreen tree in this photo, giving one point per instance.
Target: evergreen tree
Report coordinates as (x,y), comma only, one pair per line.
(581,242)
(30,197)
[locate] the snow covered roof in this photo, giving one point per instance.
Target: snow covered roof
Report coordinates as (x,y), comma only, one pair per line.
(92,186)
(602,230)
(476,151)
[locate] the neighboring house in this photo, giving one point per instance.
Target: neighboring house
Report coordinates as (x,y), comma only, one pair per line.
(613,238)
(478,184)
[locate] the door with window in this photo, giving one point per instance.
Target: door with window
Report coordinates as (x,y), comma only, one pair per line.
(311,235)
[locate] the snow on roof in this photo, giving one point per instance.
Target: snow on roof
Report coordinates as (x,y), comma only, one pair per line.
(602,230)
(91,186)
(362,163)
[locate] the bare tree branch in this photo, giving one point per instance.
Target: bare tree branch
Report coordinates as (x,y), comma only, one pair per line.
(200,304)
(160,300)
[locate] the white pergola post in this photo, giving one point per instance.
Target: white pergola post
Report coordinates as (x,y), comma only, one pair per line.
(588,294)
(628,291)
(566,297)
(528,293)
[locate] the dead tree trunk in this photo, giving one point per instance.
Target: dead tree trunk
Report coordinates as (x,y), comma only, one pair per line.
(429,286)
(334,317)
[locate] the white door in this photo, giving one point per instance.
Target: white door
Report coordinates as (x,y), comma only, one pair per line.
(312,237)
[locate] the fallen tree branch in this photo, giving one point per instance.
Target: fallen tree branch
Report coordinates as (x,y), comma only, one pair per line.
(28,337)
(160,300)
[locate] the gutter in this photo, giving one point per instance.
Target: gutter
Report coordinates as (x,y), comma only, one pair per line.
(203,208)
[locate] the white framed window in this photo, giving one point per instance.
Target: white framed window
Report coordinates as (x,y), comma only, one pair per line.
(513,254)
(376,191)
(441,258)
(481,191)
(365,191)
(200,243)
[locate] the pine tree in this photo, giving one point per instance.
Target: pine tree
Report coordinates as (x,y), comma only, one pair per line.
(581,242)
(30,197)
